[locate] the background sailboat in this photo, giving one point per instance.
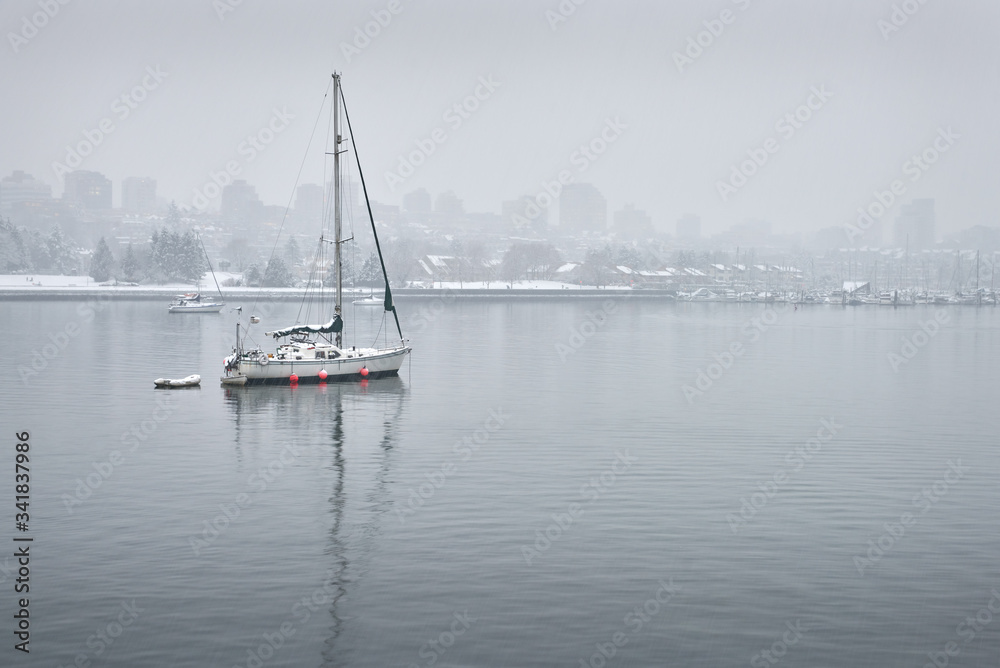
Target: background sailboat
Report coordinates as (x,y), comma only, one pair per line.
(193,302)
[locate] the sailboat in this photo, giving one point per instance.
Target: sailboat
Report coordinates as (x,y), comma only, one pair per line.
(193,302)
(317,353)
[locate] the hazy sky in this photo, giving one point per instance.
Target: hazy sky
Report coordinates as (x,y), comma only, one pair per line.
(220,76)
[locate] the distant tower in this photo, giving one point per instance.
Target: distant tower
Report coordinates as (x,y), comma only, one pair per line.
(633,223)
(418,201)
(89,190)
(582,208)
(916,222)
(138,194)
(309,202)
(240,202)
(21,187)
(688,227)
(524,213)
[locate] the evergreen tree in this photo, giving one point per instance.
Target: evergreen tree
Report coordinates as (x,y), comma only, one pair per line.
(130,264)
(277,274)
(292,254)
(252,276)
(14,255)
(38,253)
(173,215)
(371,272)
(62,255)
(191,263)
(102,264)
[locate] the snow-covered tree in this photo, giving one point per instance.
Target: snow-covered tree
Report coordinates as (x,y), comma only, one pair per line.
(130,264)
(102,263)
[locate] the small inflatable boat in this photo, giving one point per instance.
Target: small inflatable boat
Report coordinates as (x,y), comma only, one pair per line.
(233,380)
(191,381)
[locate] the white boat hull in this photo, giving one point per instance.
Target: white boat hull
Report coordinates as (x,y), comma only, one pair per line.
(379,363)
(195,308)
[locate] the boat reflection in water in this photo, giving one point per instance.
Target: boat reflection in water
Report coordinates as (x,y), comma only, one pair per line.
(313,415)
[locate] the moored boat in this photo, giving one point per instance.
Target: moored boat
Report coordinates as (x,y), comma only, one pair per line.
(316,352)
(192,303)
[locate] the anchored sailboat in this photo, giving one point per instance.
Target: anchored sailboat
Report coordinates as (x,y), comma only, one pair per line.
(193,302)
(316,353)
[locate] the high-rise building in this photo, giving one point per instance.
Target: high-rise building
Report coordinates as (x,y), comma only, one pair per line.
(90,190)
(688,227)
(524,213)
(240,202)
(21,187)
(418,201)
(582,208)
(633,223)
(915,225)
(138,194)
(309,202)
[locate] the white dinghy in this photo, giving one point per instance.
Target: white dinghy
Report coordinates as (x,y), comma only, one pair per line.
(191,381)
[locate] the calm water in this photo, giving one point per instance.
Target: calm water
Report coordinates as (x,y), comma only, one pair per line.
(404,522)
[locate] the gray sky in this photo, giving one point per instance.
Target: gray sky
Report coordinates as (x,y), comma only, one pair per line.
(223,77)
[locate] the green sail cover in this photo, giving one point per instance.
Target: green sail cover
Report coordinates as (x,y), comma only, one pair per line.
(336,324)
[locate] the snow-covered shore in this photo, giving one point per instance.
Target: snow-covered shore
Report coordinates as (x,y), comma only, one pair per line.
(18,287)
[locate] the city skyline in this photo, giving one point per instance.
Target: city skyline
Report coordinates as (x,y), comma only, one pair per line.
(735,126)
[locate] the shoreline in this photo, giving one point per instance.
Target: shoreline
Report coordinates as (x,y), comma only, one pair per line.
(166,294)
(237,296)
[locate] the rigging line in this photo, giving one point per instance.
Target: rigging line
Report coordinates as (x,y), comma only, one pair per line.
(205,250)
(312,272)
(381,325)
(302,165)
(388,294)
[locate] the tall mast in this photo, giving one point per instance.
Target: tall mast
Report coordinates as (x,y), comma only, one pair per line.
(336,199)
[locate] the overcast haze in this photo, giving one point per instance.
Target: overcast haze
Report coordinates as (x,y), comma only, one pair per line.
(557,89)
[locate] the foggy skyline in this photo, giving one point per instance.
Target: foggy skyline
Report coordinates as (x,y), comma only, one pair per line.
(201,77)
